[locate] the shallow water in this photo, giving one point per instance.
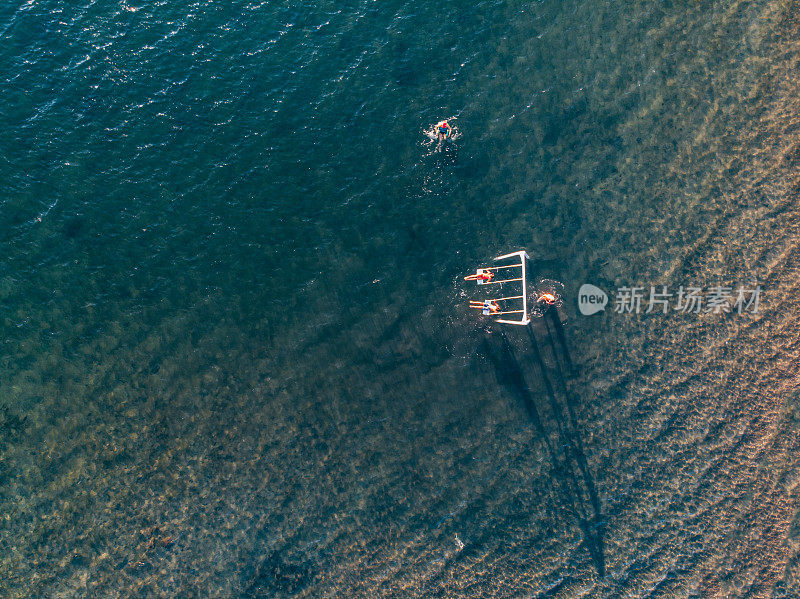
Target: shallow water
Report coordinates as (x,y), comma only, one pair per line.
(238,359)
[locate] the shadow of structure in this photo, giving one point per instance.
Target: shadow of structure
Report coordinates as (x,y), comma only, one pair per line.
(514,367)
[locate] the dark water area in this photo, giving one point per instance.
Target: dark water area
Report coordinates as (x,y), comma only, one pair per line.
(237,355)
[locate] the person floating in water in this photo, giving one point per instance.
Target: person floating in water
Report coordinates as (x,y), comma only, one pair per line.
(482,276)
(546,299)
(486,306)
(443,130)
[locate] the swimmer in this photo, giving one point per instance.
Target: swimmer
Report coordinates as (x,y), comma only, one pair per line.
(545,301)
(482,275)
(443,130)
(488,307)
(547,298)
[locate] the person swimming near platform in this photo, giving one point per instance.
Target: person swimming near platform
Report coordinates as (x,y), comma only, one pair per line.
(546,299)
(487,306)
(483,275)
(549,297)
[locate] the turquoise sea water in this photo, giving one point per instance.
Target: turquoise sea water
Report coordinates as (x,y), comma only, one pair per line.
(237,358)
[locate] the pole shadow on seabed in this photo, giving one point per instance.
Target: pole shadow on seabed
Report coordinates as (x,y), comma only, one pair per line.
(574,481)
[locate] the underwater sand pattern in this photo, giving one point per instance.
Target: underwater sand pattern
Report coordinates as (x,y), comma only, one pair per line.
(238,361)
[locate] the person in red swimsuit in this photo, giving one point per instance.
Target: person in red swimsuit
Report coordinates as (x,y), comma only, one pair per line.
(491,306)
(482,275)
(443,130)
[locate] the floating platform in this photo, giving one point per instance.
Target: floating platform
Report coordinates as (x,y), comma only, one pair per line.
(505,274)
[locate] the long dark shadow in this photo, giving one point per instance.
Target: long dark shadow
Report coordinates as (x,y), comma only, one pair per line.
(511,375)
(568,428)
(570,401)
(552,313)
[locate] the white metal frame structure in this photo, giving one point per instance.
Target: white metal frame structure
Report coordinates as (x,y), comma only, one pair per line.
(492,307)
